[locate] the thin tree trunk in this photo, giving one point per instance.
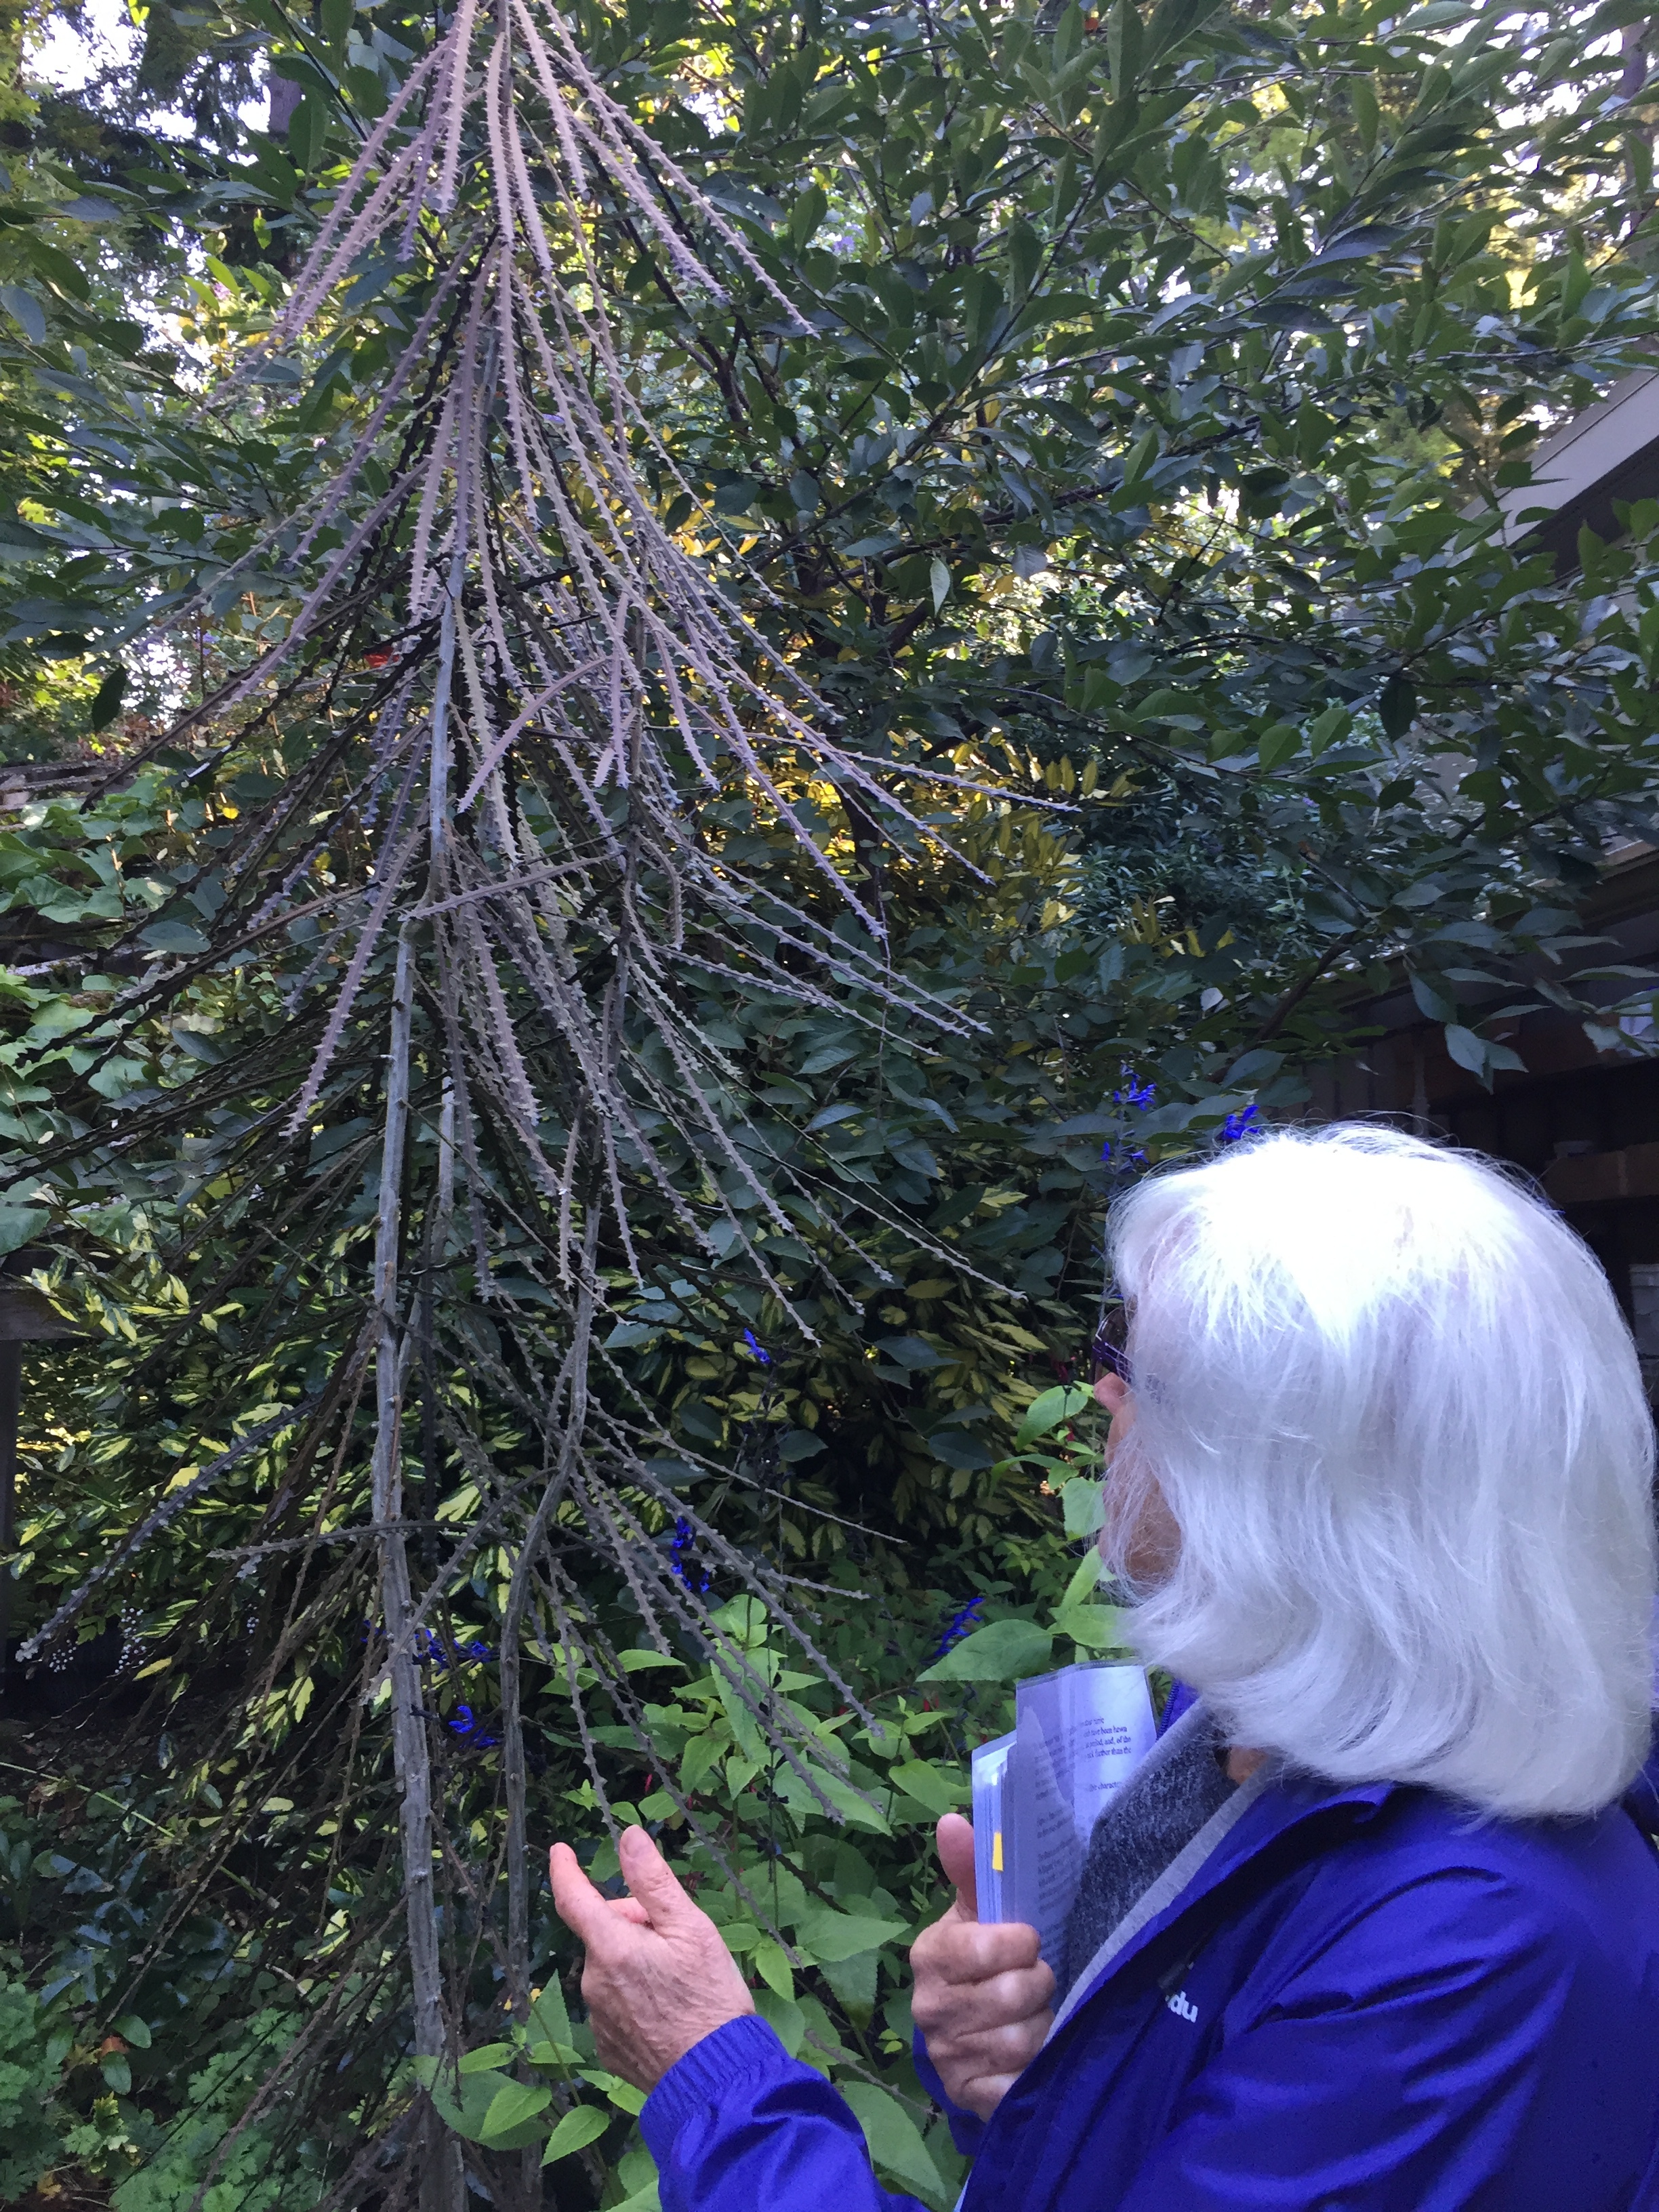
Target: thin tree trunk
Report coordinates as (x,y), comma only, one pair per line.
(442,2185)
(512,1763)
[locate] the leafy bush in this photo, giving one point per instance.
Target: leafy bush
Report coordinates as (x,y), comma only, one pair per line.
(33,2120)
(92,1917)
(819,1874)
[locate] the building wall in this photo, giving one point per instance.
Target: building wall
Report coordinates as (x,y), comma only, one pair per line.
(1584,1123)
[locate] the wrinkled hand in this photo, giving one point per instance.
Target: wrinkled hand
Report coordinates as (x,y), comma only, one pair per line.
(983,1997)
(658,1978)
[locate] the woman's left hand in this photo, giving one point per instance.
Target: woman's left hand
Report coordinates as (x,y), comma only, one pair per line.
(659,1977)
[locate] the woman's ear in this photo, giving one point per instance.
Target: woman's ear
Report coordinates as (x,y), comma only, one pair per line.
(1112,1393)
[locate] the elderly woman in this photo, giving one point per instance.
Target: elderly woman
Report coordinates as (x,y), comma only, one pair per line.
(1371,1927)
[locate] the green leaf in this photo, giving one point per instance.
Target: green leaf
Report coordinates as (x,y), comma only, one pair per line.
(116,1077)
(20,1225)
(1466,1048)
(895,2141)
(486,2056)
(1086,1580)
(460,2103)
(911,1351)
(1024,252)
(581,2125)
(853,1982)
(1329,729)
(1277,745)
(920,1779)
(1478,1054)
(1255,1067)
(1139,458)
(1396,705)
(648,2199)
(824,1057)
(955,1448)
(117,2073)
(785,2016)
(830,1935)
(1097,1627)
(627,1335)
(132,2030)
(514,2118)
(1123,46)
(307,132)
(772,1964)
(25,312)
(548,2012)
(847,1800)
(1083,1506)
(1050,1409)
(276,175)
(174,936)
(807,214)
(337,22)
(939,578)
(56,266)
(107,702)
(1001,1651)
(745,1729)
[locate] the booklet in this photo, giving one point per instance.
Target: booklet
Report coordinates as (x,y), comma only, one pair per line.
(1078,1736)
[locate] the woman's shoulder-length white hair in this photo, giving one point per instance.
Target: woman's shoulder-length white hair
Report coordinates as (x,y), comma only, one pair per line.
(1397,1415)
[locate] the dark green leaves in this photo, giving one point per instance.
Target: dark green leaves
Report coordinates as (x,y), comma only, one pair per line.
(25,311)
(1173,23)
(107,700)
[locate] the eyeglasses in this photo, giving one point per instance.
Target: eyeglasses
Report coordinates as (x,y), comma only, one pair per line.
(1108,1354)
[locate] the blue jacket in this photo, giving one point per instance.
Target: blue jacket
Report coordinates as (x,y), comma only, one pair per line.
(1364,2001)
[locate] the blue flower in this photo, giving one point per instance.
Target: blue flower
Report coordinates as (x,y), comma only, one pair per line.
(680,1550)
(1135,1093)
(962,1623)
(1236,1124)
(757,1347)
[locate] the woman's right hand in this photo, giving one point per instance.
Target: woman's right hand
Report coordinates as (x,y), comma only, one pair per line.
(983,1998)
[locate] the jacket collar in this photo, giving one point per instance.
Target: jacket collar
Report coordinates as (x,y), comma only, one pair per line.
(1278,1801)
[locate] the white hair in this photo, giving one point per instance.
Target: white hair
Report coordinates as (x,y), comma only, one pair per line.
(1394,1410)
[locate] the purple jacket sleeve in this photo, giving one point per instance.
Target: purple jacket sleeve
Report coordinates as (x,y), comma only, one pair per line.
(967,2129)
(739,2124)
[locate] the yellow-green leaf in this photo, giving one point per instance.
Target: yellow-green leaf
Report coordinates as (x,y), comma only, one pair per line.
(894,2140)
(772,1964)
(831,1937)
(581,2125)
(487,2055)
(513,2117)
(923,1781)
